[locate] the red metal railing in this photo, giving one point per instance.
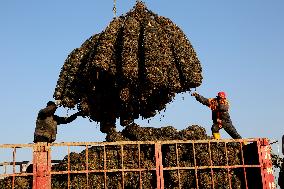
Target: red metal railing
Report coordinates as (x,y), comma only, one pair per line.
(264,150)
(41,166)
(43,173)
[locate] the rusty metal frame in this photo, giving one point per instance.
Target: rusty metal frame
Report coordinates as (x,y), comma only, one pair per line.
(244,168)
(159,166)
(266,165)
(41,166)
(262,146)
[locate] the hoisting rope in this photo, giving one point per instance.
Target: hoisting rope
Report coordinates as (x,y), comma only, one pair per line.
(114,8)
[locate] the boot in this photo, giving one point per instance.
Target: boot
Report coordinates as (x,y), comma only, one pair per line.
(216,135)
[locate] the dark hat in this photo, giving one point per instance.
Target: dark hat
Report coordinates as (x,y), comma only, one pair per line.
(50,103)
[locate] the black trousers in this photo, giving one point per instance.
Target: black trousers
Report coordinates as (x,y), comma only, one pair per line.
(228,127)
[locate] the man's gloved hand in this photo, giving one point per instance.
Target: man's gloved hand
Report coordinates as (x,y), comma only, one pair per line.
(194,94)
(58,102)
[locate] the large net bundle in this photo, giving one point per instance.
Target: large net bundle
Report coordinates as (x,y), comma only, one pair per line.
(133,68)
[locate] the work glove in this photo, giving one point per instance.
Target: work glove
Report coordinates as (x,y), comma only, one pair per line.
(219,121)
(58,102)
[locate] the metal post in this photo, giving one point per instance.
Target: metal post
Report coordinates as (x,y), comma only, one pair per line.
(266,164)
(41,166)
(195,166)
(159,166)
(177,155)
(211,164)
(243,164)
(139,166)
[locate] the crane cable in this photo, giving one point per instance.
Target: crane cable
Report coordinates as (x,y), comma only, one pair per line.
(114,8)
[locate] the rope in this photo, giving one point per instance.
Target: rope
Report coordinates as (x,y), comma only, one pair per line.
(114,8)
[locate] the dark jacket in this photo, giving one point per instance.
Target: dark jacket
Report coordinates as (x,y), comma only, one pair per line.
(219,107)
(46,124)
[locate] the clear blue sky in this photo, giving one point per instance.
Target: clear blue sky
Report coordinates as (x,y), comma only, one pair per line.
(239,43)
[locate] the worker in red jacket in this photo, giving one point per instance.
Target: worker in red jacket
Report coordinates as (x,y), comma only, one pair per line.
(220,114)
(46,123)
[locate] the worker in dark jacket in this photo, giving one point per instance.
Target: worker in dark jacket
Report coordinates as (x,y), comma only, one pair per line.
(46,123)
(220,114)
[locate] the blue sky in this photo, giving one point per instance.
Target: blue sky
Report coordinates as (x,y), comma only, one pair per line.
(239,44)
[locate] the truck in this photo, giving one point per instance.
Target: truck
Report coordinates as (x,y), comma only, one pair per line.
(224,163)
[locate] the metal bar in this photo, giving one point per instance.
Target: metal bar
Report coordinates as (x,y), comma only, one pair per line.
(177,154)
(148,142)
(227,163)
(152,169)
(31,145)
(16,175)
(211,164)
(266,164)
(41,166)
(127,142)
(101,171)
(260,161)
(161,166)
(34,166)
(243,160)
(157,166)
(14,168)
(87,165)
(49,166)
(122,167)
(139,166)
(213,167)
(21,163)
(105,181)
(195,166)
(68,167)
